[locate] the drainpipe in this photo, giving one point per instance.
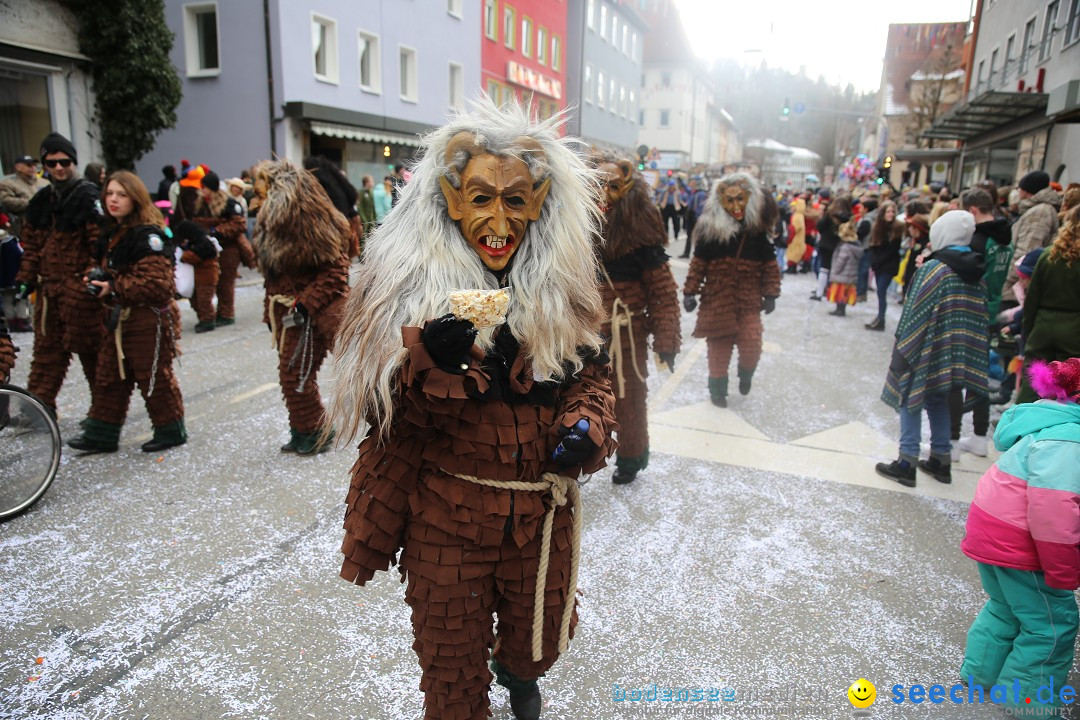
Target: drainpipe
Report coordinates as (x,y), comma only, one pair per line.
(269,77)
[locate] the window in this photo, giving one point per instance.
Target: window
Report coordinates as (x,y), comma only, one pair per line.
(1049,23)
(1072,25)
(542,46)
(590,90)
(1029,43)
(590,11)
(979,77)
(633,106)
(625,38)
(454,7)
(407,85)
(456,85)
(613,105)
(622,100)
(493,91)
(603,21)
(491,20)
(526,37)
(324,48)
(556,52)
(990,80)
(509,21)
(614,30)
(1010,45)
(641,118)
(201,40)
(600,89)
(370,70)
(665,118)
(665,79)
(633,44)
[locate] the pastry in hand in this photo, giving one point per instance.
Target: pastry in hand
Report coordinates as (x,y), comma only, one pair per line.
(483,308)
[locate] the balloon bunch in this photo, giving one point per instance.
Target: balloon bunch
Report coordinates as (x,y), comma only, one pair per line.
(860,169)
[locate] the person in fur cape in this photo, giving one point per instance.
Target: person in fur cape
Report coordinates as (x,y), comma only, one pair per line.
(475,435)
(641,299)
(734,270)
(223,217)
(302,245)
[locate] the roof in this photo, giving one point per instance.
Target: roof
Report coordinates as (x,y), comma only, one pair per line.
(985,112)
(767,145)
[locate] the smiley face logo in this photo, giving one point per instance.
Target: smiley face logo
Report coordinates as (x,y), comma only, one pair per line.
(862,693)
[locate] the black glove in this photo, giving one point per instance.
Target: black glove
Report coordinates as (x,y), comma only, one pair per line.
(768,304)
(448,341)
(690,303)
(299,307)
(576,447)
(188,232)
(22,291)
(668,359)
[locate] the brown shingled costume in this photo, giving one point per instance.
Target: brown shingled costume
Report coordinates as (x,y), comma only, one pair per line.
(7,353)
(224,218)
(734,269)
(59,232)
(470,550)
(637,288)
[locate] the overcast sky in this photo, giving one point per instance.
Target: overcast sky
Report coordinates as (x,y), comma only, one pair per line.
(844,40)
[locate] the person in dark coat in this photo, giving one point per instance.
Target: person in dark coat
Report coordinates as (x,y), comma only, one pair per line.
(342,195)
(838,213)
(168,178)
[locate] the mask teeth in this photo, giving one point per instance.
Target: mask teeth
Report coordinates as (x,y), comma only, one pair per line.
(495,243)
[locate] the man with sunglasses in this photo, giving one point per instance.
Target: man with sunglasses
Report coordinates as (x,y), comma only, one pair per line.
(59,232)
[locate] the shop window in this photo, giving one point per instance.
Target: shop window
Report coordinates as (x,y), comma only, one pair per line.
(370,70)
(324,48)
(201,48)
(407,76)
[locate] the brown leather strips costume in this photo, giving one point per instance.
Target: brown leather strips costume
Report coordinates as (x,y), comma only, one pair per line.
(734,270)
(467,474)
(142,330)
(224,218)
(299,236)
(641,299)
(59,233)
(7,352)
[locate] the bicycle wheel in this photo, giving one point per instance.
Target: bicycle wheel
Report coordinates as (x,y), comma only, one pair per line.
(29,450)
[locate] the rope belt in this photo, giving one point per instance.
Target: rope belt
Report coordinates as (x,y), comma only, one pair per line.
(118,336)
(288,301)
(562,489)
(623,317)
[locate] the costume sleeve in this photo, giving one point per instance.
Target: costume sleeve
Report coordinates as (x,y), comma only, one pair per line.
(662,309)
(590,397)
(7,354)
(29,267)
(1053,509)
(189,257)
(247,252)
(331,283)
(150,281)
(695,277)
(770,279)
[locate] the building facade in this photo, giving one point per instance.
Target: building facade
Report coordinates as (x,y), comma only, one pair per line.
(356,82)
(1023,94)
(45,82)
(605,47)
(523,52)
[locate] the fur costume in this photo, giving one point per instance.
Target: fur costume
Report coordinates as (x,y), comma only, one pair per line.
(7,352)
(299,238)
(470,550)
(734,269)
(143,323)
(224,218)
(638,290)
(59,232)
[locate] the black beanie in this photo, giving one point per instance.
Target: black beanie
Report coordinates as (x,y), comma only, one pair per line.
(1035,181)
(211,181)
(55,142)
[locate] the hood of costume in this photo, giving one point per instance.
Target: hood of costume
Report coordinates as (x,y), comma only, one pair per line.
(631,224)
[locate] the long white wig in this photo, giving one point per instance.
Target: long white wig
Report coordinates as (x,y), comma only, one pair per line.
(716,225)
(418,256)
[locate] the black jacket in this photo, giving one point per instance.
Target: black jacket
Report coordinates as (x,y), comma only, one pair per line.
(997,230)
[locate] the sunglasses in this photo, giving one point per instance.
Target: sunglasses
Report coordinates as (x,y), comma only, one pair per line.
(65,163)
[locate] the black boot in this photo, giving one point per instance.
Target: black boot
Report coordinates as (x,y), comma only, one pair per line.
(940,470)
(290,447)
(167,436)
(525,699)
(840,311)
(902,471)
(97,437)
(875,324)
(627,468)
(718,391)
(745,379)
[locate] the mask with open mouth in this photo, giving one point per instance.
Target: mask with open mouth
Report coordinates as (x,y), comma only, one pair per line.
(734,198)
(616,178)
(496,201)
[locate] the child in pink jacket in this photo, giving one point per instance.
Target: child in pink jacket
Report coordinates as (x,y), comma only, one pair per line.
(1023,530)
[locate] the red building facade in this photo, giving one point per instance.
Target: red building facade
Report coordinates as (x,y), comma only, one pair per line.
(523,53)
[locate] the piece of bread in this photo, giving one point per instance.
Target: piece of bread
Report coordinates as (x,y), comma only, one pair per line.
(483,308)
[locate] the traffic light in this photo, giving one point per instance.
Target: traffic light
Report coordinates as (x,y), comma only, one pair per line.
(881,181)
(670,173)
(787,107)
(888,162)
(641,166)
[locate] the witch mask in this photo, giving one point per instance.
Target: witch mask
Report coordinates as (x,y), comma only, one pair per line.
(496,200)
(734,199)
(617,178)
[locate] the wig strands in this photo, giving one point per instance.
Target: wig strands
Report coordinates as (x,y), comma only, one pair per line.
(1057,380)
(418,256)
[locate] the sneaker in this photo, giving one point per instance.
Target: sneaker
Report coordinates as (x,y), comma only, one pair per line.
(901,471)
(976,445)
(936,469)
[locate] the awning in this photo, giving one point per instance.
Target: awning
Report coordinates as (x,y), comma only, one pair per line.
(360,134)
(985,112)
(926,154)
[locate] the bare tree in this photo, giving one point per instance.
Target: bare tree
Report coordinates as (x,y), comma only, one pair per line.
(932,90)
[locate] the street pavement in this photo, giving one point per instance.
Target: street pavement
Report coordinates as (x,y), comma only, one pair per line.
(758,553)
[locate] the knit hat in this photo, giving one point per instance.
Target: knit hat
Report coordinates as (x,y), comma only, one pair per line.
(1026,266)
(1035,181)
(1058,380)
(193,178)
(952,229)
(55,142)
(211,181)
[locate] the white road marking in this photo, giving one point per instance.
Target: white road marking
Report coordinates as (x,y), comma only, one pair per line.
(683,365)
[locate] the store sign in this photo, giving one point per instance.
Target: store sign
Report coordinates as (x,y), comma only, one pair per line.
(527,77)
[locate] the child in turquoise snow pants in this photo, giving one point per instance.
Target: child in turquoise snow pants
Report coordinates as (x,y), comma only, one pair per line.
(1023,529)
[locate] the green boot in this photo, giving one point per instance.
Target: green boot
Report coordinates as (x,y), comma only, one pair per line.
(718,391)
(294,437)
(745,378)
(627,468)
(97,437)
(525,698)
(167,436)
(313,443)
